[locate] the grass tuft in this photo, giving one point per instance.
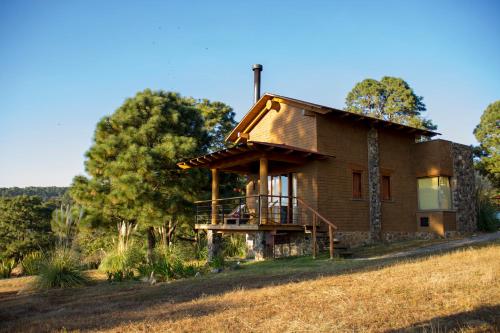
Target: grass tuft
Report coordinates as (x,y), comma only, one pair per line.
(60,270)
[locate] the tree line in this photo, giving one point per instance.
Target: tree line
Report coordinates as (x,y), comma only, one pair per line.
(44,192)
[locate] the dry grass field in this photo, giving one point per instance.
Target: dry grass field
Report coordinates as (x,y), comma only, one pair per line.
(457,291)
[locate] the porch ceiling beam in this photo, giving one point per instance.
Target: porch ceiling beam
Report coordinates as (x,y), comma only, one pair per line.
(285,158)
(238,160)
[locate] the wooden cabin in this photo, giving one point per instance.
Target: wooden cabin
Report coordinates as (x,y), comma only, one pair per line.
(316,175)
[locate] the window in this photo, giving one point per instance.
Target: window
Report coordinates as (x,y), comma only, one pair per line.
(434,193)
(424,221)
(386,188)
(356,185)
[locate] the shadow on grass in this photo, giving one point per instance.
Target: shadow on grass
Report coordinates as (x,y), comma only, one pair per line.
(481,319)
(104,306)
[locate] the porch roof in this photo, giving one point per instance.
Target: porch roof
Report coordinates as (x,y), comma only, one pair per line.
(244,156)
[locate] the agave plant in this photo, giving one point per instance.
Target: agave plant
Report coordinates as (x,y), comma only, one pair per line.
(6,267)
(31,263)
(61,269)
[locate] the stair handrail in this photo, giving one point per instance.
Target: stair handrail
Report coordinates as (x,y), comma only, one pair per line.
(331,228)
(316,213)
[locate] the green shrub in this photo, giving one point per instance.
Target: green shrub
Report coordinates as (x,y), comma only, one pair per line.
(235,246)
(168,263)
(486,216)
(218,262)
(6,267)
(61,269)
(32,262)
(91,245)
(120,264)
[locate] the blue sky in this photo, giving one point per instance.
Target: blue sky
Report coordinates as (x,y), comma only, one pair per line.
(65,64)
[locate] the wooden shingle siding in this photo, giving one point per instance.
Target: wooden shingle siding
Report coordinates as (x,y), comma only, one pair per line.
(288,126)
(347,142)
(398,214)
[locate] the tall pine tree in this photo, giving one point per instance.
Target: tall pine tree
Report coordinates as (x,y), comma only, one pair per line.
(390,99)
(132,162)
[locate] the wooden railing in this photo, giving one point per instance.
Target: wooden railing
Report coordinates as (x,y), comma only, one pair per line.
(264,209)
(331,228)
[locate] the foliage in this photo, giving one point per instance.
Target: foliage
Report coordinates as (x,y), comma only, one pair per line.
(91,244)
(64,224)
(60,270)
(32,263)
(235,246)
(45,193)
(24,226)
(485,207)
(132,162)
(390,99)
(487,133)
(218,262)
(119,263)
(168,263)
(6,267)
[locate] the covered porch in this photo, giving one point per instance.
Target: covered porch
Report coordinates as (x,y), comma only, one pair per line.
(271,205)
(271,198)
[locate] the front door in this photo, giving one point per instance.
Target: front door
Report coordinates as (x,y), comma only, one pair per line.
(281,193)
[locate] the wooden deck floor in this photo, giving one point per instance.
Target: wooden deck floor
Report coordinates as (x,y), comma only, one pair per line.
(250,227)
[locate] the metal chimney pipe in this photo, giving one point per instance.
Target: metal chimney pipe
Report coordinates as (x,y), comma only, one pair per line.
(257,69)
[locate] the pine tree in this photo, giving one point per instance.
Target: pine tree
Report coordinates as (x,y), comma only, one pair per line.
(390,99)
(132,162)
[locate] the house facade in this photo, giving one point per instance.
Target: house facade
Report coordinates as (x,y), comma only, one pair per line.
(318,175)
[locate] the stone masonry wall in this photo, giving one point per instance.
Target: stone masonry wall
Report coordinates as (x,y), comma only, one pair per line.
(374,185)
(463,188)
(214,245)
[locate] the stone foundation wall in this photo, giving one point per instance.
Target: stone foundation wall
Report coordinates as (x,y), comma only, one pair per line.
(300,244)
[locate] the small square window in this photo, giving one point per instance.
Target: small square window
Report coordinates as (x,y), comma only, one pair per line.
(424,221)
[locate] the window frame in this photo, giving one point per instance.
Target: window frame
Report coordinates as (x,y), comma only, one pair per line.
(358,193)
(389,188)
(438,197)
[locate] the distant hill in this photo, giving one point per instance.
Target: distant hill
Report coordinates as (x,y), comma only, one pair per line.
(44,193)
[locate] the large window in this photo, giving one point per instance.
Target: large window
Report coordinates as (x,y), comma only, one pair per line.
(434,193)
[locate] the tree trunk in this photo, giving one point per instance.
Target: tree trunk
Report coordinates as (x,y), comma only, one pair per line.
(151,243)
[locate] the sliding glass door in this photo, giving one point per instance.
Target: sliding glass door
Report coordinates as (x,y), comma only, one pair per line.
(281,202)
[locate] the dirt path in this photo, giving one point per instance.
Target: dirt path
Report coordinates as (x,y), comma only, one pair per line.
(430,249)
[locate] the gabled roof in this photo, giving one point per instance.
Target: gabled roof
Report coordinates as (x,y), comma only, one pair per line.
(264,104)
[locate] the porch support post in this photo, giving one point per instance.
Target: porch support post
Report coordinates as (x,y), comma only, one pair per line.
(263,190)
(214,245)
(215,194)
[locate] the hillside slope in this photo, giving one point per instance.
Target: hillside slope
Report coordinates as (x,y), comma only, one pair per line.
(456,291)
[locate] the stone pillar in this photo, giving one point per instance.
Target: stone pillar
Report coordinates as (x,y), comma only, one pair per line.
(463,188)
(374,186)
(214,245)
(259,245)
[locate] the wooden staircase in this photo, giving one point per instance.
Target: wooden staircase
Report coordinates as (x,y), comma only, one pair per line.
(316,216)
(340,250)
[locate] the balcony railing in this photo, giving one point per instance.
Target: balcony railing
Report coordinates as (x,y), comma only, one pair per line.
(255,209)
(264,209)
